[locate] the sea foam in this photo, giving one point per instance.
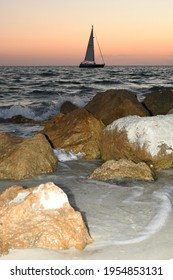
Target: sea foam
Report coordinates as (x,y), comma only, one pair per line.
(67,156)
(162,212)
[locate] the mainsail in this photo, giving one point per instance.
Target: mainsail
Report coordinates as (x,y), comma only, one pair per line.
(89,57)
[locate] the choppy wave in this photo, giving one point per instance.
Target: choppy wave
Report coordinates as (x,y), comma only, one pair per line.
(38,111)
(15,110)
(57,84)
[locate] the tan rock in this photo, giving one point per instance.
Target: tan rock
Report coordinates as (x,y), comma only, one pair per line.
(77,131)
(40,217)
(123,168)
(7,144)
(114,104)
(146,139)
(24,157)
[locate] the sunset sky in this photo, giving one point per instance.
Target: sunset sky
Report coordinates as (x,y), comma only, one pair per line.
(56,32)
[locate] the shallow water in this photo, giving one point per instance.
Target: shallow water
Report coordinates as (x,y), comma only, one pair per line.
(120,215)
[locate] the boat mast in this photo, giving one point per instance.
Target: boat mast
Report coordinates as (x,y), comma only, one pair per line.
(99,47)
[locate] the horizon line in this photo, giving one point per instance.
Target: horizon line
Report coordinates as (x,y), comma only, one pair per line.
(107,65)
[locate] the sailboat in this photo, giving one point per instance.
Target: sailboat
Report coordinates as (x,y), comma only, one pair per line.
(89,61)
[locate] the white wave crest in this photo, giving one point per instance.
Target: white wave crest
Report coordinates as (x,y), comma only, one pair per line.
(64,156)
(7,113)
(157,222)
(41,111)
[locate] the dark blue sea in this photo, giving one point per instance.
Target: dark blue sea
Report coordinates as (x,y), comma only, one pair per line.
(38,92)
(127,220)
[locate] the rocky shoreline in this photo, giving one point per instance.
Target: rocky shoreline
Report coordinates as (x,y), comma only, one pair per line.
(114,125)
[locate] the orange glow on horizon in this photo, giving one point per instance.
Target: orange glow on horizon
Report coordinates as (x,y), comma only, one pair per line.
(57,32)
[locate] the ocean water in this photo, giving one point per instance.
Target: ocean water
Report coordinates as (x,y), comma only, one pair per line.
(127,219)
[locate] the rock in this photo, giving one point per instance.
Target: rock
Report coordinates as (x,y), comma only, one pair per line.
(52,121)
(21,119)
(114,104)
(67,107)
(146,139)
(77,131)
(123,168)
(40,217)
(8,143)
(160,101)
(24,157)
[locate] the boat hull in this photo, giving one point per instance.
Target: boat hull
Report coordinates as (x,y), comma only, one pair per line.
(91,65)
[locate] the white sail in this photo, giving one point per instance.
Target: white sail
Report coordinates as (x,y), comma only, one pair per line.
(89,57)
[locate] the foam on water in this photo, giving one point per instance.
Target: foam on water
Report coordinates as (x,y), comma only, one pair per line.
(39,111)
(162,210)
(15,110)
(64,156)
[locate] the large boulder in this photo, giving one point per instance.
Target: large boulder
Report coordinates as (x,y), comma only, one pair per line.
(114,104)
(159,101)
(123,168)
(77,131)
(147,139)
(40,217)
(24,157)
